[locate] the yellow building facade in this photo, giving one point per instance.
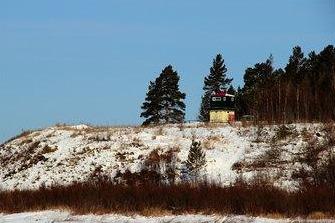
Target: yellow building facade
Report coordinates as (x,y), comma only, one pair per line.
(223,116)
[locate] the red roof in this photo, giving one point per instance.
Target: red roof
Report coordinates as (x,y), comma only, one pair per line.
(220,93)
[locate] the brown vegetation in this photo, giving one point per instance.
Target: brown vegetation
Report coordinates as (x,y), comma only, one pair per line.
(210,141)
(256,198)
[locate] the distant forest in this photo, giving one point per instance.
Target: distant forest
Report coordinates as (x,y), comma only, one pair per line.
(302,91)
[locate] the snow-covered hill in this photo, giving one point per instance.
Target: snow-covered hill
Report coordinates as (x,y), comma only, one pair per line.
(65,154)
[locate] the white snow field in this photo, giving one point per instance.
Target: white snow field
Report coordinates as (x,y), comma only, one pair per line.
(63,216)
(66,154)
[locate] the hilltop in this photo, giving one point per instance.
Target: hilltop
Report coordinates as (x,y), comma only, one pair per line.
(61,155)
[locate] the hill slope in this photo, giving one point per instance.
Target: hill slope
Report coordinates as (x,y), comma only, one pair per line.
(65,154)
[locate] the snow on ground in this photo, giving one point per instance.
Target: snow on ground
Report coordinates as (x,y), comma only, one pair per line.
(66,154)
(62,216)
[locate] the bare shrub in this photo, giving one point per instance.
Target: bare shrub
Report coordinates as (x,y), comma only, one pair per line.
(137,142)
(306,135)
(32,146)
(238,166)
(99,176)
(326,172)
(272,155)
(144,177)
(284,131)
(137,129)
(48,149)
(181,126)
(153,160)
(270,158)
(124,156)
(311,153)
(259,132)
(163,163)
(159,131)
(247,124)
(76,134)
(26,141)
(329,129)
(61,125)
(100,137)
(320,171)
(210,141)
(22,135)
(170,159)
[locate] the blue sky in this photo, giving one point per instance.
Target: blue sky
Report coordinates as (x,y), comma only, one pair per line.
(90,61)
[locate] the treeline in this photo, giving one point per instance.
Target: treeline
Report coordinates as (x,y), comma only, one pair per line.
(302,91)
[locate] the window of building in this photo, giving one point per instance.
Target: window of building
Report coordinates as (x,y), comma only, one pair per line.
(216,99)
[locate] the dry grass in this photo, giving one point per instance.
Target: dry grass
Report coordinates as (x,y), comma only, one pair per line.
(76,134)
(247,124)
(159,131)
(152,198)
(24,135)
(210,142)
(137,142)
(155,211)
(124,156)
(274,216)
(47,149)
(318,215)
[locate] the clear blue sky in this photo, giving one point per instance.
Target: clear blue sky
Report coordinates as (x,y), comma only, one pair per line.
(90,61)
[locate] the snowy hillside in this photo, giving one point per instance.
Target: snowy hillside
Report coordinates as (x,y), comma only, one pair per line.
(65,154)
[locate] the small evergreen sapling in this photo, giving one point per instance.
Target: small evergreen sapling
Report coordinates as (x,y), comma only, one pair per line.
(196,159)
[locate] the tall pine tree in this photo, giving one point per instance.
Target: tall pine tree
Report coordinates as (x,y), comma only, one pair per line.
(231,90)
(215,80)
(151,105)
(164,102)
(295,72)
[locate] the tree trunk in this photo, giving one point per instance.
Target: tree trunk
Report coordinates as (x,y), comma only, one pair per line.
(279,101)
(298,105)
(285,103)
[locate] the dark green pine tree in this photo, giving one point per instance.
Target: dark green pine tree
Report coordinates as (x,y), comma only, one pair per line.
(172,99)
(215,80)
(231,90)
(164,102)
(240,103)
(196,159)
(152,106)
(295,72)
(204,107)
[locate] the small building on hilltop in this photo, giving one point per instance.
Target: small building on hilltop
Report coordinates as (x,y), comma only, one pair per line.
(222,107)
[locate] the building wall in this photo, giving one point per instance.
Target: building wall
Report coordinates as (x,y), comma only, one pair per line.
(220,115)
